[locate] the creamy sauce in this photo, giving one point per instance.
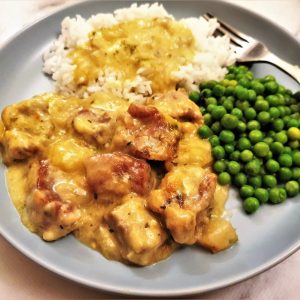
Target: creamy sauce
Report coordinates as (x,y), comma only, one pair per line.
(153,47)
(53,137)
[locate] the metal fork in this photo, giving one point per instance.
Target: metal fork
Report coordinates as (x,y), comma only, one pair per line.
(250,50)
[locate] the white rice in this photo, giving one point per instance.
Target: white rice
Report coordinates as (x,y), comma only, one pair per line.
(212,56)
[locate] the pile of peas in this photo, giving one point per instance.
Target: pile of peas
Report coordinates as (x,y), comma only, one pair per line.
(253,127)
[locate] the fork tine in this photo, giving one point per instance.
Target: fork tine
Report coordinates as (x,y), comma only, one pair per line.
(234,39)
(236,32)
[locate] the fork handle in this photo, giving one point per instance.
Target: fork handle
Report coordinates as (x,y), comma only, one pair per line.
(292,70)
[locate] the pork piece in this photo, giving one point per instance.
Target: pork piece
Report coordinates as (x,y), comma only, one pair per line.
(117,174)
(185,200)
(27,128)
(95,126)
(138,232)
(49,207)
(177,105)
(145,132)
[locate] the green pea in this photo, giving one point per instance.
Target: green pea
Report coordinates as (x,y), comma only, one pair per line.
(273,100)
(208,84)
(257,87)
(226,136)
(293,133)
(205,93)
(211,100)
(251,95)
(216,127)
(296,173)
(255,136)
(218,152)
(262,195)
(232,83)
(281,137)
(288,111)
(287,150)
(250,113)
(252,168)
(261,149)
(242,104)
(214,140)
(292,123)
(268,78)
(277,195)
(243,144)
(228,105)
(241,127)
(285,160)
(294,108)
(229,148)
(235,155)
(204,132)
(274,112)
(241,93)
(194,96)
(263,117)
(218,90)
(269,181)
(246,191)
(237,112)
(233,167)
(251,205)
(292,188)
(261,105)
(286,119)
(211,107)
(272,166)
(240,179)
(252,125)
(224,178)
(285,174)
(294,144)
(229,90)
(229,121)
(271,87)
(207,119)
(244,82)
(278,125)
(268,140)
(296,158)
(281,110)
(255,181)
(218,112)
(202,110)
(219,166)
(271,133)
(276,148)
(246,156)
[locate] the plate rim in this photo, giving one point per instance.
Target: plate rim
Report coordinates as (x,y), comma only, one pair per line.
(231,280)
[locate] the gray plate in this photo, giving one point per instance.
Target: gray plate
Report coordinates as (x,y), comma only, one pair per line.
(265,238)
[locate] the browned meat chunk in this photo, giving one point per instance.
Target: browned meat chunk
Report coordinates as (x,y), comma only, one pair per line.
(137,230)
(27,126)
(185,199)
(177,105)
(117,174)
(146,133)
(94,126)
(52,215)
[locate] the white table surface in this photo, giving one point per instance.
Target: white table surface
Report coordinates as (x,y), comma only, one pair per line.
(20,278)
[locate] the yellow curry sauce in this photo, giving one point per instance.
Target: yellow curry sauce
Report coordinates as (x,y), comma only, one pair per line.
(47,141)
(166,45)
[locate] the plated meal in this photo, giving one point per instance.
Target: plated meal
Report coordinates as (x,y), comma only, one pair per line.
(149,123)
